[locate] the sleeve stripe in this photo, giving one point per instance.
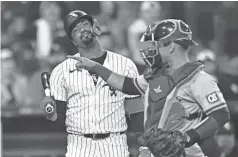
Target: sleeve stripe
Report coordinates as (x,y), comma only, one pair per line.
(137,86)
(201,123)
(217,107)
(136,96)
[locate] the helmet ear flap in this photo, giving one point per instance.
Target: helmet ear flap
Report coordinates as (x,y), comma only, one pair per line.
(96,28)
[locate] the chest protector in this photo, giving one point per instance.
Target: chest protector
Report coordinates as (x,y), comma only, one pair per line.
(161,86)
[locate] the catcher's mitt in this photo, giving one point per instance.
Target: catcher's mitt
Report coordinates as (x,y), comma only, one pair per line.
(164,143)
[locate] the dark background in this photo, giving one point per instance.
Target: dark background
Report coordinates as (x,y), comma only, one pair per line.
(25,131)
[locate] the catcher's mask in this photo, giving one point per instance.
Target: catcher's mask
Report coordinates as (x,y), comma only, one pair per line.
(160,34)
(74,17)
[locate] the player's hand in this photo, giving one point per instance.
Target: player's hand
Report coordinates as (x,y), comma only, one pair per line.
(83,62)
(48,105)
(145,153)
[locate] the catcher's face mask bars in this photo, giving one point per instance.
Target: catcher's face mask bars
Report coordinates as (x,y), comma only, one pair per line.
(148,47)
(169,30)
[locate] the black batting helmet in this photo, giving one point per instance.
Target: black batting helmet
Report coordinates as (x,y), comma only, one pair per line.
(74,17)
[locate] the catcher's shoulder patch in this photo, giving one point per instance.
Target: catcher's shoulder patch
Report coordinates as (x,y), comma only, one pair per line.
(212,98)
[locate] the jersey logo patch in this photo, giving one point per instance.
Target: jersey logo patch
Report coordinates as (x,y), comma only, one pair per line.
(157,90)
(212,98)
(73,14)
(113,91)
(95,79)
(70,71)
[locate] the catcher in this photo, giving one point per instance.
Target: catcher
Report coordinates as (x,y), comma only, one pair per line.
(183,104)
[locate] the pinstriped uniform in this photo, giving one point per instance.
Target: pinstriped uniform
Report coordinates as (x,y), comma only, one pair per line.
(93,108)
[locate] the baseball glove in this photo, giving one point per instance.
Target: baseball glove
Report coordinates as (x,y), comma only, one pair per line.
(164,143)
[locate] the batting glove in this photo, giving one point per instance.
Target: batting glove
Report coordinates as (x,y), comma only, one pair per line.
(144,152)
(49,106)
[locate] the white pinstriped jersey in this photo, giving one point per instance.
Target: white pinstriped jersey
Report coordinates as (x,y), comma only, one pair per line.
(90,108)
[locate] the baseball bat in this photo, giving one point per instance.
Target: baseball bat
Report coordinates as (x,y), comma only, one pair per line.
(45,77)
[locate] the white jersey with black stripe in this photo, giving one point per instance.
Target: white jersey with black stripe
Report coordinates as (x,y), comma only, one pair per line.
(92,108)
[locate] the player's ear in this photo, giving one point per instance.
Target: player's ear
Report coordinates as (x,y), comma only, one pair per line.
(171,47)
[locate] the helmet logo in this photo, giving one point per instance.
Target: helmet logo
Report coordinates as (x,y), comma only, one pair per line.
(73,14)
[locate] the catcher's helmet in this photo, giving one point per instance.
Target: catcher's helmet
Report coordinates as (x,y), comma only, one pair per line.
(74,17)
(160,33)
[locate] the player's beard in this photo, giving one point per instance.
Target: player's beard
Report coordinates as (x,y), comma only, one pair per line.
(87,37)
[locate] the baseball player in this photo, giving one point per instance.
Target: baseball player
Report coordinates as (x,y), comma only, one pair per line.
(95,115)
(179,94)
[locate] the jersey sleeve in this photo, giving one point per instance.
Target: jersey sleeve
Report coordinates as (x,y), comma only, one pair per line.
(57,84)
(206,92)
(141,84)
(132,72)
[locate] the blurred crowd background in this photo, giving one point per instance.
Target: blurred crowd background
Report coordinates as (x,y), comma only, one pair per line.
(33,40)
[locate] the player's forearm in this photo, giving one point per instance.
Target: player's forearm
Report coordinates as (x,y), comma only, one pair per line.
(117,81)
(208,126)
